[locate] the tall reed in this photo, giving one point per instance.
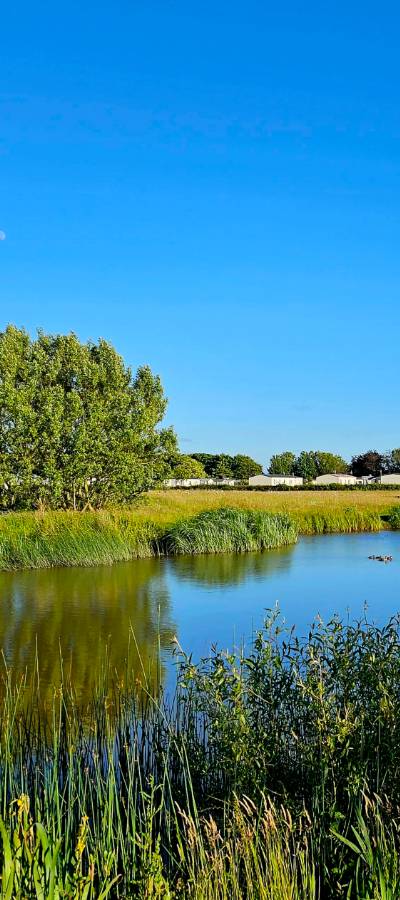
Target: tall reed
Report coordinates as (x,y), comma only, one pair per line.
(29,540)
(268,774)
(229,531)
(341,521)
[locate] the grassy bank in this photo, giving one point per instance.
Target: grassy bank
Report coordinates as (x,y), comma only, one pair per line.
(164,523)
(29,540)
(275,775)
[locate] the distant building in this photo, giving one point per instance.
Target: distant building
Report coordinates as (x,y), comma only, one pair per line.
(393,478)
(365,479)
(200,482)
(275,480)
(336,478)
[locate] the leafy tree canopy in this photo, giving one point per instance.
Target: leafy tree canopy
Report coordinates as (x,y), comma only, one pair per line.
(328,463)
(77,428)
(370,463)
(391,461)
(282,463)
(207,460)
(244,467)
(221,465)
(308,464)
(187,467)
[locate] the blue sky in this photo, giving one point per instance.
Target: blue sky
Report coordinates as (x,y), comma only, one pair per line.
(215,188)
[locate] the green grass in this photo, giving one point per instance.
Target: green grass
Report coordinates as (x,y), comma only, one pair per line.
(229,531)
(342,521)
(39,540)
(166,507)
(29,540)
(274,774)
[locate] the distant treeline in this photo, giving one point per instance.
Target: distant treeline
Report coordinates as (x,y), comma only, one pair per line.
(215,465)
(308,464)
(311,463)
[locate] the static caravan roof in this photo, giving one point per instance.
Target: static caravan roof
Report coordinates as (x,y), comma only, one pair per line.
(392,478)
(335,478)
(275,480)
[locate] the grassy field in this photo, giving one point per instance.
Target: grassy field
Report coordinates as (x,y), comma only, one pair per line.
(40,539)
(274,776)
(312,512)
(164,507)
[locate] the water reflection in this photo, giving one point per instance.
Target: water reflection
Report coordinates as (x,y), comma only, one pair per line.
(203,599)
(230,569)
(78,614)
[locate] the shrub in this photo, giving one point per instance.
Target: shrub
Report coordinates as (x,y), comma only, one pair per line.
(394,517)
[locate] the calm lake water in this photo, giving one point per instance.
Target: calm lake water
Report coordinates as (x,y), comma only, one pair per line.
(76,613)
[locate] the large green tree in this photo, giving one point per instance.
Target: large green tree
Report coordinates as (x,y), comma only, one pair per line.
(187,467)
(208,461)
(282,463)
(391,461)
(244,467)
(328,463)
(221,465)
(395,460)
(311,463)
(306,465)
(77,428)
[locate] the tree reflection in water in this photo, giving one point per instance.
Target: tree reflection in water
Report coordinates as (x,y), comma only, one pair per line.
(119,613)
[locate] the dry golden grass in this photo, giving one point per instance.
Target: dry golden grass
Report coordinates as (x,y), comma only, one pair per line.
(167,506)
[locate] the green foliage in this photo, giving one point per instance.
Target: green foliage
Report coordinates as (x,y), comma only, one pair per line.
(187,467)
(31,866)
(394,518)
(306,465)
(243,467)
(76,429)
(157,799)
(207,460)
(374,840)
(313,721)
(391,461)
(330,462)
(221,465)
(370,463)
(309,464)
(229,531)
(282,463)
(394,460)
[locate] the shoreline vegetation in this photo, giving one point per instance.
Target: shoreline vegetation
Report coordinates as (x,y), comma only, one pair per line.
(268,775)
(163,523)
